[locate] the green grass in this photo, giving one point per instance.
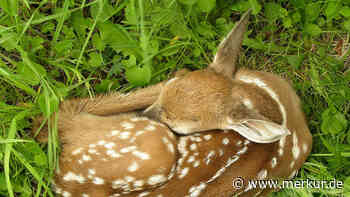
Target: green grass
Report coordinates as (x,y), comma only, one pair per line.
(54,49)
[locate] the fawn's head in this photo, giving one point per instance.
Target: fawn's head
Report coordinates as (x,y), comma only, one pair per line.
(209,99)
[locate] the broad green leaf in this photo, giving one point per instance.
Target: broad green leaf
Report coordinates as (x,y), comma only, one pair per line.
(206,5)
(130,62)
(139,76)
(287,22)
(188,2)
(295,60)
(33,44)
(205,29)
(63,47)
(241,5)
(180,30)
(296,17)
(255,6)
(107,85)
(118,38)
(298,3)
(312,11)
(25,73)
(333,121)
(97,42)
(107,11)
(345,11)
(47,27)
(95,59)
(332,9)
(346,25)
(80,23)
(312,29)
(272,11)
(8,41)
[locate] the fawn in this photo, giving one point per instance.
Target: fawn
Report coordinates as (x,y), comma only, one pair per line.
(240,123)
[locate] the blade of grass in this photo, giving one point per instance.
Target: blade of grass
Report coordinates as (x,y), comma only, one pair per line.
(61,21)
(8,150)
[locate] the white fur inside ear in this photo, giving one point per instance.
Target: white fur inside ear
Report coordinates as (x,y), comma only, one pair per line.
(259,131)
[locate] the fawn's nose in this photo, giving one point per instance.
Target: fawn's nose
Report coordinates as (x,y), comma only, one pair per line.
(152,112)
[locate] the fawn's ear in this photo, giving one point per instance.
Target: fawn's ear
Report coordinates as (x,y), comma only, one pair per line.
(259,131)
(228,50)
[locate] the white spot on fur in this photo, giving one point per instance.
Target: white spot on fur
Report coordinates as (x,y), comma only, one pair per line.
(248,103)
(110,145)
(139,183)
(207,137)
(242,151)
(92,171)
(150,128)
(196,164)
(86,158)
(114,133)
(168,144)
(183,173)
(92,151)
(133,167)
(141,155)
(280,152)
(113,154)
(85,195)
(127,125)
(92,145)
(66,194)
(273,162)
(209,156)
(118,183)
(101,142)
(262,174)
(295,149)
(225,141)
(221,152)
(139,133)
(124,135)
(143,194)
(135,119)
(195,191)
(191,159)
(292,164)
(156,179)
(305,147)
(70,176)
(98,181)
(128,149)
(77,151)
(129,179)
(193,147)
